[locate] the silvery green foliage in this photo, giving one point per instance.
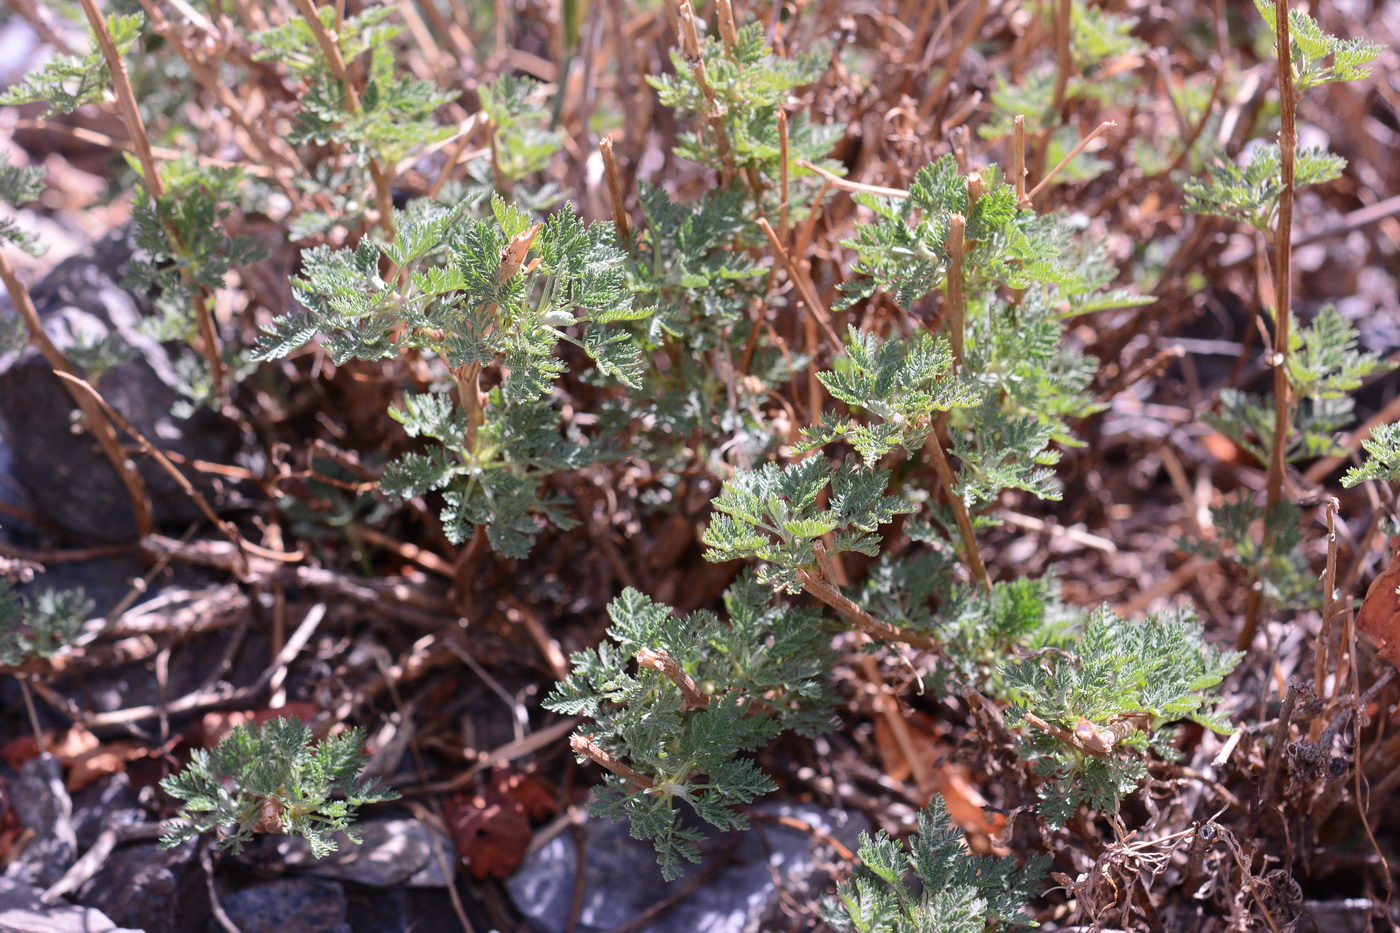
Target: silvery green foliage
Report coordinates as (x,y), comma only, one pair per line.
(1319,57)
(449,302)
(1382,461)
(1106,697)
(1324,368)
(934,886)
(66,82)
(184,250)
(1250,193)
(902,383)
(273,778)
(395,111)
(19,185)
(763,671)
(772,514)
(37,624)
(749,85)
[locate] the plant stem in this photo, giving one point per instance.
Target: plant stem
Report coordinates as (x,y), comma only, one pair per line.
(858,617)
(934,448)
(783,174)
(802,284)
(619,210)
(1018,159)
(98,426)
(957,301)
(1283,303)
(660,661)
(689,37)
(383,199)
(140,141)
(1098,131)
(585,746)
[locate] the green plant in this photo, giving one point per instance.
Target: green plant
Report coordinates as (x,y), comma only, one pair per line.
(19,185)
(774,514)
(374,123)
(66,82)
(1312,48)
(1312,369)
(1095,707)
(956,891)
(476,294)
(37,624)
(735,85)
(272,778)
(704,692)
(1382,462)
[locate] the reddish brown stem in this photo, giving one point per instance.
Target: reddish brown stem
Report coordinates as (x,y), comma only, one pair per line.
(858,617)
(585,746)
(1283,303)
(659,660)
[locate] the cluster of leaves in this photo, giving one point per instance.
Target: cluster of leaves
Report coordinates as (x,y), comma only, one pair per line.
(521,144)
(1250,193)
(19,185)
(957,891)
(1018,384)
(66,82)
(1097,40)
(1094,707)
(903,382)
(1317,56)
(1382,462)
(774,514)
(738,90)
(688,263)
(704,692)
(40,622)
(185,250)
(395,111)
(1324,367)
(475,291)
(273,778)
(1281,568)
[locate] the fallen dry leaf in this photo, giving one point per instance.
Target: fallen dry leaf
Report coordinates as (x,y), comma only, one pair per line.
(492,828)
(85,757)
(214,726)
(1379,618)
(491,832)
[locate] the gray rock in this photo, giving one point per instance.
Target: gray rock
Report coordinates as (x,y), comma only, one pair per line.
(394,851)
(622,879)
(22,912)
(304,904)
(106,798)
(42,804)
(402,910)
(143,886)
(64,475)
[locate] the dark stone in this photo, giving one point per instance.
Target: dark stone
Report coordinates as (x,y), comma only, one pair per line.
(393,851)
(21,911)
(303,904)
(621,879)
(64,475)
(143,886)
(108,798)
(402,910)
(42,805)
